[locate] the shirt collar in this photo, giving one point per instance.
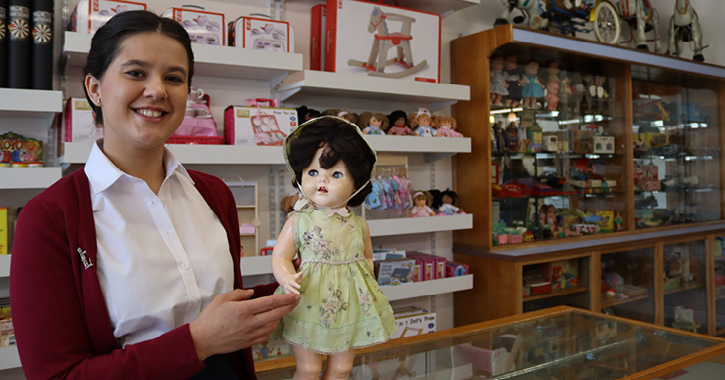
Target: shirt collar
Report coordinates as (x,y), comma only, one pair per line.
(102,173)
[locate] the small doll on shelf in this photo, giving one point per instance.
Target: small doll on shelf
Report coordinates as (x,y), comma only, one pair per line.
(376,123)
(305,114)
(447,204)
(342,307)
(420,205)
(552,96)
(422,123)
(533,89)
(513,84)
(446,126)
(346,115)
(398,121)
(499,89)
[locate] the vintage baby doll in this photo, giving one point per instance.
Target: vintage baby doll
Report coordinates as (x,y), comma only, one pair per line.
(376,123)
(422,123)
(398,121)
(499,89)
(342,307)
(420,205)
(532,89)
(513,79)
(446,126)
(552,96)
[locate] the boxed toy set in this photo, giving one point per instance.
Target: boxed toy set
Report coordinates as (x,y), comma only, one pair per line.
(317,37)
(89,15)
(266,126)
(203,27)
(261,34)
(369,38)
(393,272)
(78,124)
(413,321)
(19,151)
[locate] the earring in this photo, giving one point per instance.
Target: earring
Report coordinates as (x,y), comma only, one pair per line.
(98,101)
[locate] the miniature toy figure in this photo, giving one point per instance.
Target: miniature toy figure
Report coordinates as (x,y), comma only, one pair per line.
(685,26)
(376,123)
(618,222)
(306,114)
(348,116)
(420,205)
(342,307)
(398,121)
(551,220)
(422,123)
(552,96)
(447,204)
(528,9)
(513,84)
(498,81)
(446,126)
(512,137)
(532,89)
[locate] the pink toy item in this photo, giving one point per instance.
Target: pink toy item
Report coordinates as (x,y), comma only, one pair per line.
(420,206)
(198,121)
(552,96)
(399,124)
(446,126)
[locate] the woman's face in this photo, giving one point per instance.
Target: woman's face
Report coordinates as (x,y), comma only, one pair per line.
(143,91)
(327,187)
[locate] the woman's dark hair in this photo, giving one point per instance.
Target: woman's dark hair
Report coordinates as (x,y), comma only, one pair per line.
(108,38)
(343,142)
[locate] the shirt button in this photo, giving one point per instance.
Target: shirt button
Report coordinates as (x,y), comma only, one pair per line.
(185,266)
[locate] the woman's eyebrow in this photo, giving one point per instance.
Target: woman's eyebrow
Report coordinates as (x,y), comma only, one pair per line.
(144,64)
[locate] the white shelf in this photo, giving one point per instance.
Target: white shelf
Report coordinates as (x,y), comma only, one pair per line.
(256,265)
(28,178)
(15,102)
(417,144)
(310,87)
(404,226)
(5,265)
(428,288)
(9,358)
(218,61)
(442,7)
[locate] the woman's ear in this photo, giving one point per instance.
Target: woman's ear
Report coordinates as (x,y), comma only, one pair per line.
(93,87)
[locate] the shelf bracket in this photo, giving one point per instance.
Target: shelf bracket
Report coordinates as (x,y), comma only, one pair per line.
(275,82)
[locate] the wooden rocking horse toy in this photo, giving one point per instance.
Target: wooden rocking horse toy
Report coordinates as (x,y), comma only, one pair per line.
(383,41)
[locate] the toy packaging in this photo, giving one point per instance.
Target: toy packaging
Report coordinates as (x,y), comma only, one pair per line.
(432,267)
(274,348)
(4,232)
(89,15)
(356,28)
(261,34)
(317,37)
(203,27)
(18,151)
(454,269)
(247,125)
(394,271)
(387,254)
(413,321)
(78,123)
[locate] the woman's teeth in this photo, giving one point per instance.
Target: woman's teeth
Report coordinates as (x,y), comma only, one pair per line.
(149,113)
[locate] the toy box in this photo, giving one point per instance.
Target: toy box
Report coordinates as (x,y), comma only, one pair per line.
(550,142)
(413,321)
(274,348)
(4,231)
(604,144)
(89,15)
(394,272)
(203,27)
(432,267)
(356,28)
(317,37)
(261,34)
(564,274)
(78,123)
(19,151)
(387,254)
(454,269)
(246,125)
(582,141)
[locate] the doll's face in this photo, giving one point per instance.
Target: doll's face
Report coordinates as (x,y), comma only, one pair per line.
(424,120)
(400,122)
(510,62)
(420,201)
(553,68)
(447,199)
(327,187)
(532,68)
(497,64)
(375,122)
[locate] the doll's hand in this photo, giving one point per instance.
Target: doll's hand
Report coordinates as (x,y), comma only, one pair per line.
(291,283)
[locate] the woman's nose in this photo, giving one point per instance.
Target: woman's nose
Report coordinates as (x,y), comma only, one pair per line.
(155,88)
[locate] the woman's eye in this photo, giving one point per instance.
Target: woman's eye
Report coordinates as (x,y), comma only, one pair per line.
(175,79)
(337,175)
(134,73)
(312,173)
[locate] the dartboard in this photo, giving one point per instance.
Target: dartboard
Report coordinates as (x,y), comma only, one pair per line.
(42,34)
(19,29)
(2,29)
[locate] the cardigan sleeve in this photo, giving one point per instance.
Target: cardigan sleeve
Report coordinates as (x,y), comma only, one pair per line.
(54,320)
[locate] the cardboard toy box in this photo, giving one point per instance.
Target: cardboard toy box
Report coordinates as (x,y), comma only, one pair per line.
(394,272)
(412,35)
(274,348)
(89,15)
(78,123)
(431,267)
(203,27)
(246,125)
(414,321)
(261,34)
(604,144)
(317,37)
(4,231)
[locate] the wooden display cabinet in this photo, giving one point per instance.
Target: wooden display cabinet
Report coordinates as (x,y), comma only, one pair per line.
(663,114)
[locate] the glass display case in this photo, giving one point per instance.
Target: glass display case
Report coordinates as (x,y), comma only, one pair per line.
(557,343)
(627,284)
(676,148)
(718,280)
(685,292)
(555,283)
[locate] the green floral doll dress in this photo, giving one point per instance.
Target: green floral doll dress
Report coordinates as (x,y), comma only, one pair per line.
(342,306)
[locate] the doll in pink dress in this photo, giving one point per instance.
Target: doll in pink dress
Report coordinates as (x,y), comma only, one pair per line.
(446,126)
(420,208)
(398,121)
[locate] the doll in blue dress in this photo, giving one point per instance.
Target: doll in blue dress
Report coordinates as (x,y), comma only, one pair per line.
(375,123)
(533,89)
(342,307)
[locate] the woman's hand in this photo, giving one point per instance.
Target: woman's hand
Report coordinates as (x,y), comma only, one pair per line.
(292,283)
(232,321)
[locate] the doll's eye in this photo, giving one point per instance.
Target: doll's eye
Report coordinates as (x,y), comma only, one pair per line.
(337,175)
(312,173)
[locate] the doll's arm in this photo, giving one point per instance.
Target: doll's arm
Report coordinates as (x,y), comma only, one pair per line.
(282,255)
(368,246)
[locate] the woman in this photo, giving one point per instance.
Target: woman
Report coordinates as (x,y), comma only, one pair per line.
(129,268)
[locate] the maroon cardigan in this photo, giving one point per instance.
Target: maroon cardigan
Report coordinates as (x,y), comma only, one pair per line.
(61,322)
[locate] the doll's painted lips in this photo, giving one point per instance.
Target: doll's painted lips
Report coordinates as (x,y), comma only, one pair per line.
(322,189)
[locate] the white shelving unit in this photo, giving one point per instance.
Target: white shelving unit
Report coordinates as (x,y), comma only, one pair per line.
(406,226)
(442,7)
(5,265)
(29,103)
(9,358)
(28,178)
(311,87)
(216,61)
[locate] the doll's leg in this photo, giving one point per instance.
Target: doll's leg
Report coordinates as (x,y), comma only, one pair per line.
(339,366)
(309,364)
